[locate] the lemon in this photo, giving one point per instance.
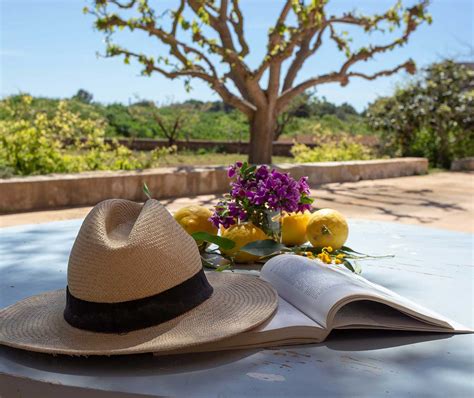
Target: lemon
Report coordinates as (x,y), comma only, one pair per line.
(327,227)
(195,219)
(293,228)
(242,234)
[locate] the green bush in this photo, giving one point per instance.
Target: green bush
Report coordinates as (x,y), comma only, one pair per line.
(58,141)
(334,151)
(433,116)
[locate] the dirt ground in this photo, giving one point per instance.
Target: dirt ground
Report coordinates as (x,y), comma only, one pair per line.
(440,200)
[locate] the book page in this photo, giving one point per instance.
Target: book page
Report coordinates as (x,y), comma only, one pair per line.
(371,314)
(305,284)
(286,316)
(319,290)
(288,326)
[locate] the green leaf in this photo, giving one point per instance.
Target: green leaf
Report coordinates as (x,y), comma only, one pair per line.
(222,267)
(349,250)
(357,267)
(263,248)
(146,191)
(353,267)
(223,243)
(348,265)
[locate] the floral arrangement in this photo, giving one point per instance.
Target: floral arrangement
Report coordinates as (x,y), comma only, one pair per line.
(259,194)
(250,218)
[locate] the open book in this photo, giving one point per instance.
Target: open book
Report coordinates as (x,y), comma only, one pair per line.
(315,298)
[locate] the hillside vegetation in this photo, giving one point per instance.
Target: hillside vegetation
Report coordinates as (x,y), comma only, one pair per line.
(197,119)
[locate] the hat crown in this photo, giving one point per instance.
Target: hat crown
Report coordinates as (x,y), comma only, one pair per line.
(127,251)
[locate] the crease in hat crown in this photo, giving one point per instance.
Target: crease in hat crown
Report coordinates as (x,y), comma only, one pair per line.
(127,251)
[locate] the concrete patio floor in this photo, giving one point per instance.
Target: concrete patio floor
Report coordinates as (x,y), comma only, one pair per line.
(440,200)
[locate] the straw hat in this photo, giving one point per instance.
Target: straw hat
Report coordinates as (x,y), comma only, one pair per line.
(135,284)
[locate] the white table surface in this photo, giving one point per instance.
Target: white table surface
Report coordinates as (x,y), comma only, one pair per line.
(432,267)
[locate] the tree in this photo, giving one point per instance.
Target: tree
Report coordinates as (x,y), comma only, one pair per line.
(206,41)
(171,120)
(432,116)
(83,96)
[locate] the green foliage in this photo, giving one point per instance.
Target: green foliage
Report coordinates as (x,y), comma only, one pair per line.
(220,126)
(207,120)
(57,141)
(432,116)
(42,135)
(223,243)
(83,96)
(332,151)
(121,123)
(171,122)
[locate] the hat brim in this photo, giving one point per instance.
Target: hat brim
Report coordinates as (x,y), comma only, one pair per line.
(238,303)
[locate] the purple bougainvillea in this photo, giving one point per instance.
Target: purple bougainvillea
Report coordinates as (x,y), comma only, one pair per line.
(257,188)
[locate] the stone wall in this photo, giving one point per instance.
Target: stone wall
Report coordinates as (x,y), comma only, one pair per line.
(279,148)
(465,164)
(83,189)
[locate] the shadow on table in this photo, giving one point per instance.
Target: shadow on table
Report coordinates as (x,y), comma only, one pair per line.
(148,365)
(129,365)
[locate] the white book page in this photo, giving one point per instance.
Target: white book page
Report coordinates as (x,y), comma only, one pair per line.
(286,316)
(305,284)
(371,314)
(316,288)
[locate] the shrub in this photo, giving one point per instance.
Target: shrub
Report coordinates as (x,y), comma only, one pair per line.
(333,151)
(57,142)
(433,116)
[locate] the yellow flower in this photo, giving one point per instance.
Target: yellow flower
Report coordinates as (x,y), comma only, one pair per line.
(26,99)
(324,257)
(328,249)
(340,255)
(338,261)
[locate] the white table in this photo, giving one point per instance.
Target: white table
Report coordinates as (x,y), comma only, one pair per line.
(432,267)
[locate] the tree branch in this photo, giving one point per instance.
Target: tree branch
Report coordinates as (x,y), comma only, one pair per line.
(343,75)
(301,56)
(238,70)
(239,28)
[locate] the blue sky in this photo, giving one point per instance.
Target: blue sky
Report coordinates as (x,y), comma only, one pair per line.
(48,48)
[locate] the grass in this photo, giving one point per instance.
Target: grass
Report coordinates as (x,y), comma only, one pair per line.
(209,158)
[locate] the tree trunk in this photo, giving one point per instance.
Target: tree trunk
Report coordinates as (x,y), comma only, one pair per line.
(443,156)
(262,127)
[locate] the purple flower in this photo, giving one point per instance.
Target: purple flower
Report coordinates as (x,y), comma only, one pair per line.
(256,189)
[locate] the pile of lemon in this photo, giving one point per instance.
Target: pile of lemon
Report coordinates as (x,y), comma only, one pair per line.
(323,228)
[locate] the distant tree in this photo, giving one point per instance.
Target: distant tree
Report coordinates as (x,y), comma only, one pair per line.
(206,41)
(193,103)
(120,120)
(399,118)
(433,115)
(345,110)
(219,106)
(83,96)
(170,121)
(145,103)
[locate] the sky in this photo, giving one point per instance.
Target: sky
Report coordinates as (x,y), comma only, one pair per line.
(49,48)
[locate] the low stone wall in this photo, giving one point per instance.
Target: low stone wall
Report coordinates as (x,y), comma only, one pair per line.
(83,189)
(465,164)
(279,148)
